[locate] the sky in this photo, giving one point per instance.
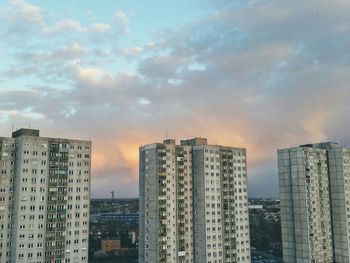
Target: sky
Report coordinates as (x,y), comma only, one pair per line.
(259,74)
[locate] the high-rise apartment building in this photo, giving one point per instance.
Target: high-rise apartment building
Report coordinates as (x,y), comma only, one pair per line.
(44,198)
(193,203)
(314,184)
(166,221)
(221,220)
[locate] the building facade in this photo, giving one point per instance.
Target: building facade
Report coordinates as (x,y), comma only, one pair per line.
(314,184)
(44,198)
(193,203)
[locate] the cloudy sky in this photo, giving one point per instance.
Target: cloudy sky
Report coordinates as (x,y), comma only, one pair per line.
(250,73)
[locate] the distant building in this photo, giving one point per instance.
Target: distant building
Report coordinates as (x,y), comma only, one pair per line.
(108,216)
(110,245)
(315,203)
(193,203)
(44,198)
(256,207)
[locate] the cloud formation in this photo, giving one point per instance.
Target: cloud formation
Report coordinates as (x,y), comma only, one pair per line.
(255,74)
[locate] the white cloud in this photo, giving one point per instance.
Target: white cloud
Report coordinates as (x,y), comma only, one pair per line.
(86,75)
(122,20)
(130,52)
(197,67)
(100,27)
(70,51)
(163,67)
(27,12)
(144,101)
(67,25)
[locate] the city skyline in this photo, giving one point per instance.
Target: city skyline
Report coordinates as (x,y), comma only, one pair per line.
(262,75)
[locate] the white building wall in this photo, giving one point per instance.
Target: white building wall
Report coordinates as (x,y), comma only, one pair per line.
(7,158)
(221,205)
(36,191)
(30,197)
(78,202)
(171,204)
(188,206)
(213,205)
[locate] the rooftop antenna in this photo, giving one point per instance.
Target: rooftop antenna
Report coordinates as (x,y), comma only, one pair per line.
(29,125)
(112,193)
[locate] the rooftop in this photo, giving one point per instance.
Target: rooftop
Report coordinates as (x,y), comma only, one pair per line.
(322,145)
(25,132)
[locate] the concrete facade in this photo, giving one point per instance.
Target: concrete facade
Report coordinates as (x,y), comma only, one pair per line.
(314,183)
(339,172)
(193,203)
(165,203)
(44,198)
(220,204)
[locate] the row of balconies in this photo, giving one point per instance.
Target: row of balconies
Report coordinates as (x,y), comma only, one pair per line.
(180,163)
(55,238)
(162,170)
(55,229)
